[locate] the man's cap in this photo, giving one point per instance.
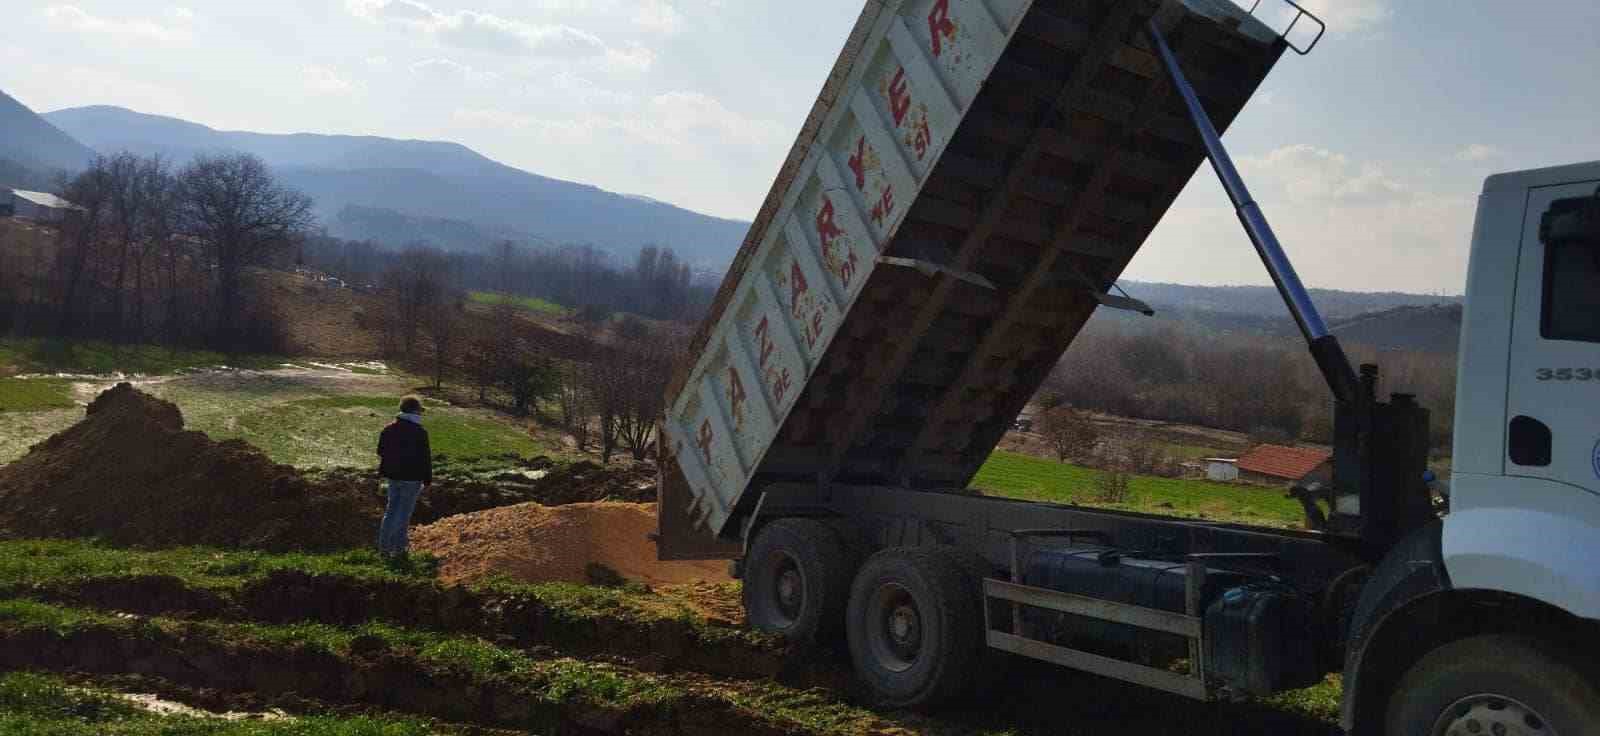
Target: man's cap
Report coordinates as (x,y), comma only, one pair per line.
(411,405)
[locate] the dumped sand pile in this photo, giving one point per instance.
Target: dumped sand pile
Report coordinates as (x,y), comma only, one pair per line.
(130,474)
(533,543)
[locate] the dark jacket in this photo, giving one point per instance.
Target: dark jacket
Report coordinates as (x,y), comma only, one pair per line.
(403,448)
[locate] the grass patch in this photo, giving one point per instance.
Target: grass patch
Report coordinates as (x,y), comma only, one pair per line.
(37,355)
(1015,475)
(525,303)
(63,562)
(45,561)
(44,705)
(342,431)
(35,394)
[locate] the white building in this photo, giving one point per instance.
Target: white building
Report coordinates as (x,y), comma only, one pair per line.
(39,206)
(1222,468)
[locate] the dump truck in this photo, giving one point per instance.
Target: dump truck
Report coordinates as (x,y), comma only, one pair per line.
(964,194)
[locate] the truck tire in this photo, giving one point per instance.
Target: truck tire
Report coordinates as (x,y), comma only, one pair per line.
(796,581)
(915,625)
(1494,685)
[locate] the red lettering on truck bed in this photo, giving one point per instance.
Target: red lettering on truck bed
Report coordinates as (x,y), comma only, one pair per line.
(899,97)
(858,162)
(940,26)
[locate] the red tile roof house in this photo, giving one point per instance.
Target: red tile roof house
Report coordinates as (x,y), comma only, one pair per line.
(1277,465)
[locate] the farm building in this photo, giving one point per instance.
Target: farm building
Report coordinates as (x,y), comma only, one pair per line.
(1221,468)
(1276,464)
(39,206)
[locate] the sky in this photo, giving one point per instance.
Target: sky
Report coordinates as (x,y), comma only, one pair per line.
(1366,155)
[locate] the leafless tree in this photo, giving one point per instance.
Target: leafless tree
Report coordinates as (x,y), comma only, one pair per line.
(242,217)
(577,406)
(80,238)
(1069,432)
(416,289)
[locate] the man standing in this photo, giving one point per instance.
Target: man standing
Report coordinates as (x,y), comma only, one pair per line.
(407,463)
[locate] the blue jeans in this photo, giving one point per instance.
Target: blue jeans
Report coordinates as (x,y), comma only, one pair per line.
(397,515)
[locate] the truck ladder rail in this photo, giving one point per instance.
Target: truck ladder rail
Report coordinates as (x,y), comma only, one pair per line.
(1300,12)
(1330,357)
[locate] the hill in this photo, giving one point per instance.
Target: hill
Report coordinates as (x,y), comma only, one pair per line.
(31,149)
(1382,320)
(1263,301)
(424,179)
(1432,328)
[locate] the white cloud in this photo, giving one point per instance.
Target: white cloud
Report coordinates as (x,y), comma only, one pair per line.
(1350,15)
(634,58)
(324,80)
(1477,152)
(672,119)
(181,13)
(658,16)
(694,115)
(1305,173)
(450,70)
(377,62)
(74,18)
(482,31)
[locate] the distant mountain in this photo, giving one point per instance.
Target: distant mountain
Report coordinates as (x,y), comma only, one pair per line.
(355,222)
(1264,301)
(31,148)
(1435,328)
(1423,322)
(424,179)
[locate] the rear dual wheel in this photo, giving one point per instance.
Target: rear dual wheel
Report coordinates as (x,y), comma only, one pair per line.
(796,581)
(915,625)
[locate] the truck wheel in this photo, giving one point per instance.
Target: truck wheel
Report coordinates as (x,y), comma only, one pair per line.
(915,625)
(796,579)
(1493,685)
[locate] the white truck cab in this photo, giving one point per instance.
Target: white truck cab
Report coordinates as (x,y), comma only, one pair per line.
(1488,621)
(1525,496)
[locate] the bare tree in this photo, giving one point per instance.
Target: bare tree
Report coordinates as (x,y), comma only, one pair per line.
(1069,432)
(416,289)
(80,238)
(577,406)
(242,217)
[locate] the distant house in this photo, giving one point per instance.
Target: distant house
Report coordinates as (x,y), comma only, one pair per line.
(39,206)
(1276,464)
(1221,468)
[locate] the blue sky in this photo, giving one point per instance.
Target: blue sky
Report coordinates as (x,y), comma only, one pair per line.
(1366,155)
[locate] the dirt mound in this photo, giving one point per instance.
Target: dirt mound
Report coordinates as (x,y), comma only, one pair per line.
(534,543)
(129,473)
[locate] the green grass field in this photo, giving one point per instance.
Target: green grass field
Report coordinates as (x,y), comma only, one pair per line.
(32,355)
(342,431)
(35,394)
(526,303)
(1037,479)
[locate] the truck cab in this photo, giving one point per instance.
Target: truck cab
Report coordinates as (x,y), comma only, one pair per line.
(1497,604)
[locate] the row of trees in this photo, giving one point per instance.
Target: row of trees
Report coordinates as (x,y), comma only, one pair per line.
(657,285)
(157,252)
(607,397)
(1265,386)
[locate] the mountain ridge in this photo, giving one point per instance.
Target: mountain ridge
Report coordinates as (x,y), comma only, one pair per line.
(34,145)
(430,180)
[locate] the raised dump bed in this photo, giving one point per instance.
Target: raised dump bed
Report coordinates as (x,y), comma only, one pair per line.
(973,178)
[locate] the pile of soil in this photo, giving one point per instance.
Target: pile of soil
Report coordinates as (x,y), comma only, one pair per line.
(530,542)
(130,474)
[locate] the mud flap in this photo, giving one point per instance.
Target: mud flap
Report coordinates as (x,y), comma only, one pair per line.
(678,537)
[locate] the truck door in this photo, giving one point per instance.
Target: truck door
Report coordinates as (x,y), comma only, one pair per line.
(1553,403)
